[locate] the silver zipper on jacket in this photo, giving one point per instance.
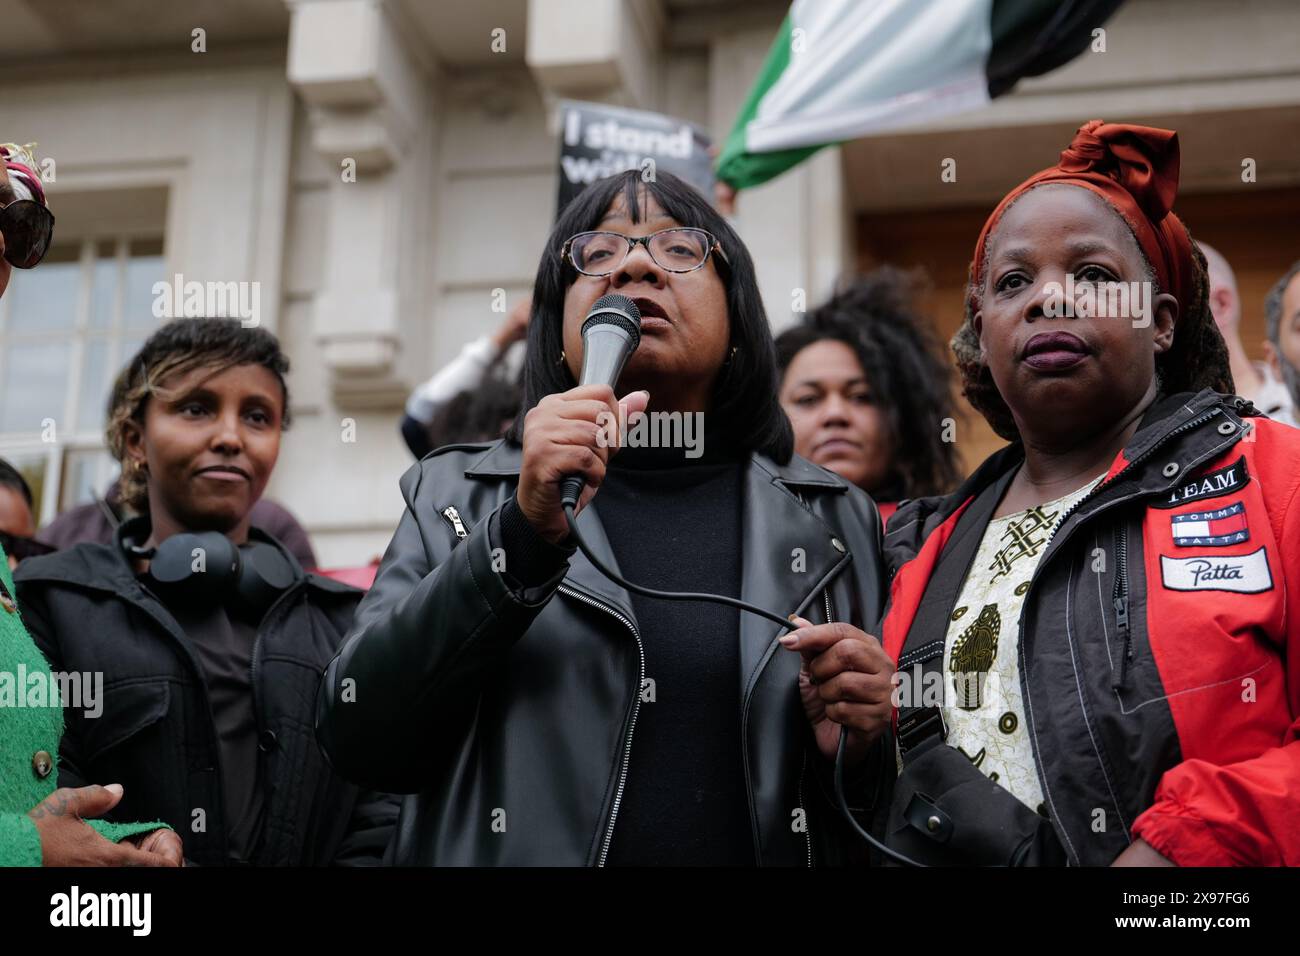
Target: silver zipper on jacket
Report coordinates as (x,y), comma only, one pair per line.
(807,825)
(636,709)
(1120,600)
(458,526)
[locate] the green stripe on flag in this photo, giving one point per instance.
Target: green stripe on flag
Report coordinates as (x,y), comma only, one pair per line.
(736,165)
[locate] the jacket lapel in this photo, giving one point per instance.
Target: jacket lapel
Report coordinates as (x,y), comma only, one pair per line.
(583,575)
(788,554)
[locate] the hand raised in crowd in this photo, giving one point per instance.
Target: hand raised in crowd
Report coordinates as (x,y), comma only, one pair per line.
(67,840)
(565,434)
(515,327)
(845,680)
(724,194)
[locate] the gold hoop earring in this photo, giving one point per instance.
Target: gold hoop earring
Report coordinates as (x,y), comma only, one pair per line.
(560,360)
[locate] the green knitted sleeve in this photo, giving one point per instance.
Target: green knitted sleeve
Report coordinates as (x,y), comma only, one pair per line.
(20,842)
(116,832)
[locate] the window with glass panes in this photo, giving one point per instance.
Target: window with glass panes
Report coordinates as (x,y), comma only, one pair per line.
(66,328)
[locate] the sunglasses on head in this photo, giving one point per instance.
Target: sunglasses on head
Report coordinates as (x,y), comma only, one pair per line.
(28,228)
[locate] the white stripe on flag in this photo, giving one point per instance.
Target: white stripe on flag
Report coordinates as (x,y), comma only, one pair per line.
(873,66)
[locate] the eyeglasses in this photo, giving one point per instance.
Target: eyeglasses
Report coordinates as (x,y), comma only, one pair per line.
(28,228)
(673,250)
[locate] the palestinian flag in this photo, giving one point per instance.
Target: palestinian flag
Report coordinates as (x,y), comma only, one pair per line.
(840,69)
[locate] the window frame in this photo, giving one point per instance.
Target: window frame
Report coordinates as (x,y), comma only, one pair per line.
(72,439)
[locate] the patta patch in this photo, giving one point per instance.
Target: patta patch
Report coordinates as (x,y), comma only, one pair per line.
(1244,573)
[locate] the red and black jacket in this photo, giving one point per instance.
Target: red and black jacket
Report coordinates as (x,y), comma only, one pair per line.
(1159,646)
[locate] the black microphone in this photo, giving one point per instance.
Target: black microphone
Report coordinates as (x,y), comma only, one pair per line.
(610,334)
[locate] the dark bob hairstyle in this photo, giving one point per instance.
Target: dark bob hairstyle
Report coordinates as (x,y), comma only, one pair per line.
(745,405)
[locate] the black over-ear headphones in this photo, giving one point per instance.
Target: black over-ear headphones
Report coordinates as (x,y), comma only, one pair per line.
(208,568)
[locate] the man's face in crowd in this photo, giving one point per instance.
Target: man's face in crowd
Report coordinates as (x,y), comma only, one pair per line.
(1287,350)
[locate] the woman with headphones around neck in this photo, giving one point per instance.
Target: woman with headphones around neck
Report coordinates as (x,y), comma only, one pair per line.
(210,636)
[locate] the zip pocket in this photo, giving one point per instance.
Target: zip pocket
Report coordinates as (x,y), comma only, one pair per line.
(453,518)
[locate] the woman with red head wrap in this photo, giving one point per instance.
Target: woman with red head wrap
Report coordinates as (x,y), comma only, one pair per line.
(1135,170)
(1104,602)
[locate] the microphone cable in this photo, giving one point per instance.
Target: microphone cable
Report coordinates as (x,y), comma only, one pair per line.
(784,623)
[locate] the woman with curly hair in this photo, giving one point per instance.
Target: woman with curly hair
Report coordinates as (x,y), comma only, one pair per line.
(867,393)
(1096,634)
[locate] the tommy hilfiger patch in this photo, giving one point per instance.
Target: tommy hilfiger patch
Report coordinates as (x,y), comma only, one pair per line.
(1217,529)
(1224,481)
(1245,573)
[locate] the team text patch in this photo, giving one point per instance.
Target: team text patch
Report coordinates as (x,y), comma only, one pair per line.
(1224,481)
(1245,573)
(1216,529)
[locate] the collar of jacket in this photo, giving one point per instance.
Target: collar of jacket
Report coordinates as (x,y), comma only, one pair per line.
(105,567)
(1181,427)
(776,524)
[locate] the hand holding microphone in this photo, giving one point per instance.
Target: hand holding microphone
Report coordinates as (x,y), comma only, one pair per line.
(565,443)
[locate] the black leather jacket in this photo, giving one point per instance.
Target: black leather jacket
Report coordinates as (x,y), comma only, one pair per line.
(510,716)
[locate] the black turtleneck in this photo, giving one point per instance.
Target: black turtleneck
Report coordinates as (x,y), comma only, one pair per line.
(674,524)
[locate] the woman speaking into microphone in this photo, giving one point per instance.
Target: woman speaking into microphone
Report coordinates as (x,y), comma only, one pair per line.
(538,712)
